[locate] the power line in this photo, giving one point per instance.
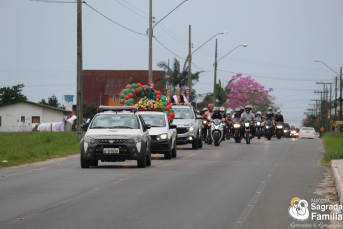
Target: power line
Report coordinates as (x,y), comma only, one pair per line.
(131,10)
(52,1)
(114,21)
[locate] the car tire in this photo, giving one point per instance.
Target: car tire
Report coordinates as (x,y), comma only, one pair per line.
(94,162)
(200,143)
(174,151)
(168,155)
(84,163)
(195,143)
(148,159)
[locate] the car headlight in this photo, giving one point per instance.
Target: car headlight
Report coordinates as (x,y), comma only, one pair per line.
(190,128)
(161,136)
(216,127)
(246,124)
(279,127)
(135,140)
(89,140)
(258,123)
(236,125)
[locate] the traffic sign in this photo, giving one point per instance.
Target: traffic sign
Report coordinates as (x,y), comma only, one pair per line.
(322,129)
(335,124)
(331,121)
(339,122)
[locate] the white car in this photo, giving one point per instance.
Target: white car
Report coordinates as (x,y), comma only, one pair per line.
(307,132)
(162,133)
(116,134)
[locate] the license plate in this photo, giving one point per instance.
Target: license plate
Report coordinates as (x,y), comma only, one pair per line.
(307,131)
(111,150)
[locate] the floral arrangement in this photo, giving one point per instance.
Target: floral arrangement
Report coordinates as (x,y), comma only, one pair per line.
(150,99)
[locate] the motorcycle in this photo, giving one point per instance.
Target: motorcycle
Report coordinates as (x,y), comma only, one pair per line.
(287,132)
(258,129)
(279,130)
(217,131)
(269,129)
(205,122)
(236,130)
(247,125)
(228,129)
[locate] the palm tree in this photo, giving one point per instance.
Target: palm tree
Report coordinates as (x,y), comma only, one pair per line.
(178,78)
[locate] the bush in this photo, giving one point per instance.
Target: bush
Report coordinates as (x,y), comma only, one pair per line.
(333,145)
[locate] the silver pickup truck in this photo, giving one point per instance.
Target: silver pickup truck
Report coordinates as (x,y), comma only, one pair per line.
(188,126)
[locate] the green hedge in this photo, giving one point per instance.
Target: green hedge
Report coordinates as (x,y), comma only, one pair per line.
(27,147)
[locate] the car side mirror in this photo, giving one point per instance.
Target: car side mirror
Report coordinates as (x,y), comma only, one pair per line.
(199,117)
(172,126)
(147,126)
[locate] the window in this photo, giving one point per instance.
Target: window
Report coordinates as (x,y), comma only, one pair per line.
(35,119)
(22,118)
(114,98)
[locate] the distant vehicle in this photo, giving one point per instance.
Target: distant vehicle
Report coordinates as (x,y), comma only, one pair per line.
(162,133)
(116,134)
(307,132)
(188,126)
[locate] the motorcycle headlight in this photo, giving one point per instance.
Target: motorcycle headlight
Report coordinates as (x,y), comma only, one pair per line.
(216,127)
(89,140)
(247,124)
(258,123)
(267,127)
(190,128)
(204,122)
(161,136)
(285,131)
(293,132)
(236,125)
(135,140)
(279,127)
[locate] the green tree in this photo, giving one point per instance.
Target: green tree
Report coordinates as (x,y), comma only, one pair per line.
(221,95)
(52,101)
(178,77)
(12,94)
(90,111)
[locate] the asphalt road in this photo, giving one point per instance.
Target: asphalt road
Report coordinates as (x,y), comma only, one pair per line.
(230,186)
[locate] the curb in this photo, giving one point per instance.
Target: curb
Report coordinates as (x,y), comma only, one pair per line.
(338,180)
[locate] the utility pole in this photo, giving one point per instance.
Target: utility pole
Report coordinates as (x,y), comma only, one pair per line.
(79,111)
(340,101)
(190,60)
(330,107)
(215,75)
(150,42)
(336,97)
(168,75)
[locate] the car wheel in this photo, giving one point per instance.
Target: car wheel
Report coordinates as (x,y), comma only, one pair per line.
(200,143)
(84,163)
(148,159)
(94,162)
(168,154)
(174,151)
(142,162)
(195,143)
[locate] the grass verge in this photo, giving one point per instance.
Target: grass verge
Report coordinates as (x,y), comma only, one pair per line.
(27,147)
(333,145)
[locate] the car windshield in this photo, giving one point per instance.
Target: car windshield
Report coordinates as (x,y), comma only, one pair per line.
(154,120)
(307,128)
(117,121)
(183,113)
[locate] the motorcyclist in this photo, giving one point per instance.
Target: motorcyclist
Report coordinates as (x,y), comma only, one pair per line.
(286,124)
(248,116)
(270,117)
(204,110)
(228,119)
(207,115)
(270,109)
(242,110)
(258,116)
(222,112)
(217,115)
(279,116)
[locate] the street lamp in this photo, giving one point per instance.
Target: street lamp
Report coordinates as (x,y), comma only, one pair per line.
(151,34)
(215,69)
(190,57)
(340,98)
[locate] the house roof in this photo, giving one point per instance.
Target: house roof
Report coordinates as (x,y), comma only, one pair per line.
(37,104)
(114,85)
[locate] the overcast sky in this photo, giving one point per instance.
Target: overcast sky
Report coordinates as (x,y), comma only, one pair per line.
(38,43)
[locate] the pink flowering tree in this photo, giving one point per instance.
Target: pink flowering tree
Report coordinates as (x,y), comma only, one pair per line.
(245,90)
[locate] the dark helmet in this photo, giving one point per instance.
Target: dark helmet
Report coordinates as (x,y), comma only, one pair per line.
(269,114)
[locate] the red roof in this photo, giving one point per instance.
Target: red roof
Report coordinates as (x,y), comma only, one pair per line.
(107,83)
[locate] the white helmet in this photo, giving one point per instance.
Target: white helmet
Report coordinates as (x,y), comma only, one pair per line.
(278,111)
(259,113)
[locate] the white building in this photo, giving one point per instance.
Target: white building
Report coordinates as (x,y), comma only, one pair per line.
(19,116)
